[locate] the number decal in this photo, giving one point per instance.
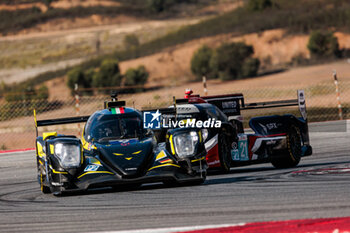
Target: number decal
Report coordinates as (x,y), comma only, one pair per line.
(241,153)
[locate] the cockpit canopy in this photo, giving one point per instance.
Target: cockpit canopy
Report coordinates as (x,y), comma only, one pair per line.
(103,127)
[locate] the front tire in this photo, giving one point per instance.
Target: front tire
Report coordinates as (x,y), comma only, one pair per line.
(44,188)
(291,157)
(224,153)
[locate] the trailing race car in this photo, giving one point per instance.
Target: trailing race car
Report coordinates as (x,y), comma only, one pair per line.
(115,150)
(281,140)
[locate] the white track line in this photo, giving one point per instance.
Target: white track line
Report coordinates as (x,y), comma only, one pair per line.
(175,229)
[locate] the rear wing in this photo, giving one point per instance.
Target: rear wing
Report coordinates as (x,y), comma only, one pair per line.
(300,102)
(232,104)
(58,121)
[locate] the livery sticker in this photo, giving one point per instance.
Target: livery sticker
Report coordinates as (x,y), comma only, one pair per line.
(166,161)
(123,142)
(161,155)
(91,168)
(243,148)
(235,152)
(117,110)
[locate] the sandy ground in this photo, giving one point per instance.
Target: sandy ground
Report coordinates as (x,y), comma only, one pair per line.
(64,4)
(273,47)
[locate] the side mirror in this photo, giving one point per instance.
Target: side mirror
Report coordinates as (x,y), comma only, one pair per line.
(149,133)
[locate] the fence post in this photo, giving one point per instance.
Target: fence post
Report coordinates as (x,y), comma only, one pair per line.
(205,85)
(77,103)
(340,111)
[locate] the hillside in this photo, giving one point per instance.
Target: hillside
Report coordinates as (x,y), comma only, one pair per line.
(278,34)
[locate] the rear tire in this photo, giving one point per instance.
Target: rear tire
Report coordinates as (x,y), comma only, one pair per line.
(224,153)
(292,155)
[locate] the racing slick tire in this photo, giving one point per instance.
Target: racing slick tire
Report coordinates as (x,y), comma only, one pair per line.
(292,155)
(224,153)
(44,189)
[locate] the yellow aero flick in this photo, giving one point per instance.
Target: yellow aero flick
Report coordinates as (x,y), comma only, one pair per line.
(48,134)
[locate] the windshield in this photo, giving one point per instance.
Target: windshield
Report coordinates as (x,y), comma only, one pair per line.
(113,127)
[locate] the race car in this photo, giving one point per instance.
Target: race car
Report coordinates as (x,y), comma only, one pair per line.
(281,140)
(117,151)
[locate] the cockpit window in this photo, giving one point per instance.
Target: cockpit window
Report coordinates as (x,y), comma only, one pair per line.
(113,127)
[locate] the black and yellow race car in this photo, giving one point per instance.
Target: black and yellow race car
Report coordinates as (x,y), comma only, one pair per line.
(116,151)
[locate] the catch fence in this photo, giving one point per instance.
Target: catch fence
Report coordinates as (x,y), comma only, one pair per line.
(17,124)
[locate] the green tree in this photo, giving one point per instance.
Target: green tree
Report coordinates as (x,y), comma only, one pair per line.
(48,3)
(250,67)
(200,62)
(131,41)
(77,76)
(259,5)
(42,93)
(136,76)
(234,61)
(156,5)
(163,5)
(323,44)
(108,75)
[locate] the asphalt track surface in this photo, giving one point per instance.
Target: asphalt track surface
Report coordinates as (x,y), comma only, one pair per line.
(318,188)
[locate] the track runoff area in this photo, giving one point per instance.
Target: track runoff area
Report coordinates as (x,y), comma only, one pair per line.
(315,197)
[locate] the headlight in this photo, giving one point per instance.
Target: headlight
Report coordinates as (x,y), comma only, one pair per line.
(185,144)
(205,134)
(68,154)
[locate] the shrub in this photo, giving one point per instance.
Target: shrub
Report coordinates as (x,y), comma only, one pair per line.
(250,67)
(233,61)
(42,93)
(136,76)
(200,62)
(323,44)
(48,3)
(163,5)
(131,41)
(108,75)
(160,5)
(259,5)
(156,5)
(77,76)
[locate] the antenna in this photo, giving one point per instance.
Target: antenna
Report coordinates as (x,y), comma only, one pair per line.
(114,95)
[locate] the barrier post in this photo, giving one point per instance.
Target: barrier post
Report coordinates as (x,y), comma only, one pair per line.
(205,85)
(77,104)
(340,111)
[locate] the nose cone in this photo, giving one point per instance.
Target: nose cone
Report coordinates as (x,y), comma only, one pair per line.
(129,157)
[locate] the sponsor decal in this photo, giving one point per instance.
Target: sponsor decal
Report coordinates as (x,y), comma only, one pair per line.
(90,168)
(214,162)
(229,104)
(272,126)
(131,169)
(165,161)
(243,147)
